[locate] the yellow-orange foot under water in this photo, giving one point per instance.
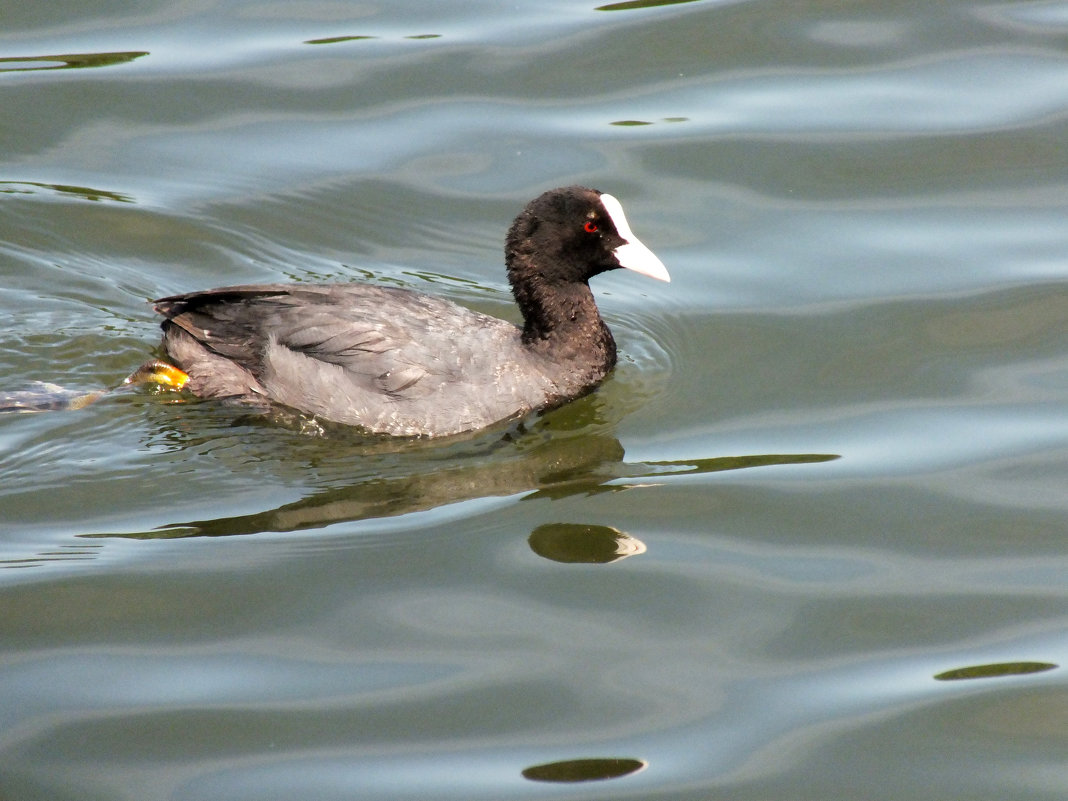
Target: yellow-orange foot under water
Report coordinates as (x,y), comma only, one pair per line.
(159,373)
(46,397)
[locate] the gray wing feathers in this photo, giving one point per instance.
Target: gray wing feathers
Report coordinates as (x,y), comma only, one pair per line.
(344,353)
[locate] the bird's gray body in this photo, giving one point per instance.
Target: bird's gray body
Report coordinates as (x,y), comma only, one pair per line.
(364,355)
(395,361)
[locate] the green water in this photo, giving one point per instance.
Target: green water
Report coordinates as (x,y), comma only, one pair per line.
(807,542)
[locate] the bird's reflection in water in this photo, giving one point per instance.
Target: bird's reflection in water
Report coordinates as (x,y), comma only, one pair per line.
(418,476)
(584,770)
(577,543)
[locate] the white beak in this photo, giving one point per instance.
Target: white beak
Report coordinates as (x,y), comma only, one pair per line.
(632,254)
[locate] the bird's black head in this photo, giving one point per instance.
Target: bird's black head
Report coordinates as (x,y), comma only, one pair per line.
(571,234)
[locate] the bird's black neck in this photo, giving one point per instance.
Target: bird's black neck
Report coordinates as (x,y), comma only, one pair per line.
(561,319)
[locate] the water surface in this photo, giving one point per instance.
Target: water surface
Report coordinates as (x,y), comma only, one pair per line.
(807,542)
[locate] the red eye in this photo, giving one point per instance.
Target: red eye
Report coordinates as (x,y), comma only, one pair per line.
(590,227)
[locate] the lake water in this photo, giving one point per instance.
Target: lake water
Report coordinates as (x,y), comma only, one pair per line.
(808,542)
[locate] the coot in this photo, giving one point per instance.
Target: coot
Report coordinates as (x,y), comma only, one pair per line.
(395,361)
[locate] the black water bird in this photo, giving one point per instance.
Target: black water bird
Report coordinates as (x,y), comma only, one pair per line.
(400,362)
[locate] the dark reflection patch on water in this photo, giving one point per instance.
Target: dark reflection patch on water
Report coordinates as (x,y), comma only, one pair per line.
(85,192)
(358,38)
(67,61)
(715,464)
(584,770)
(578,543)
(995,670)
(337,39)
(639,123)
(633,4)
